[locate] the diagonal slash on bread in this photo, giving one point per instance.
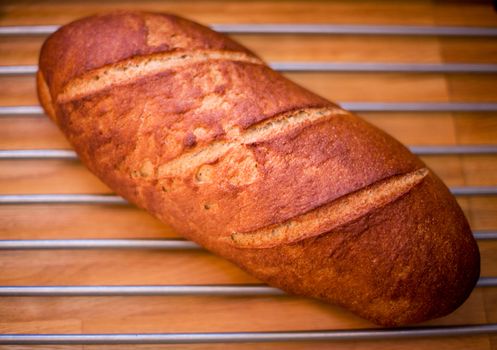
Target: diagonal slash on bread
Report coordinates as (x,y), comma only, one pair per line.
(139,67)
(332,215)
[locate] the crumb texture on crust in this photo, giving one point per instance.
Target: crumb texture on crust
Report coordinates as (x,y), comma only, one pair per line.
(332,215)
(269,128)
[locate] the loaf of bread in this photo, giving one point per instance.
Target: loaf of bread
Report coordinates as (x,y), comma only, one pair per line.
(307,197)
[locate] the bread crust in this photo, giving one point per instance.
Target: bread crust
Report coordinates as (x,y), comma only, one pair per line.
(224,145)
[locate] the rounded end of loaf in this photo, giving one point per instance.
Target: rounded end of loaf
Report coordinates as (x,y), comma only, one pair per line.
(438,271)
(410,261)
(414,260)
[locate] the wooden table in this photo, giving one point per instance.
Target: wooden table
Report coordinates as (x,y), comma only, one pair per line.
(172,314)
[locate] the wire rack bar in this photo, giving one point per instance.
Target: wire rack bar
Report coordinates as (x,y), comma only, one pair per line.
(352,29)
(420,150)
(474,191)
(162,290)
(419,107)
(341,29)
(18,70)
(487,282)
(450,150)
(163,244)
(61,199)
(383,67)
(248,337)
(351,106)
(113,199)
(169,290)
(21,110)
(38,154)
(28,30)
(166,244)
(485,235)
(332,67)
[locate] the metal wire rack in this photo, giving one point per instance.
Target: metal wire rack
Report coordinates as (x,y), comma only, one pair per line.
(177,244)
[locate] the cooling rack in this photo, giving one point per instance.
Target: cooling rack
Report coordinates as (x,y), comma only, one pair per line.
(179,245)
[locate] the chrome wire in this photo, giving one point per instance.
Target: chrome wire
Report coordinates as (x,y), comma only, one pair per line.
(327,29)
(57,154)
(163,290)
(249,337)
(113,199)
(332,67)
(351,106)
(163,244)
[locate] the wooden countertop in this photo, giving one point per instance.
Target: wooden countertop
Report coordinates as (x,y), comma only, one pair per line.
(160,314)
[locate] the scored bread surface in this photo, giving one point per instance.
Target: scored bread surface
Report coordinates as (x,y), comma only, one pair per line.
(309,198)
(332,215)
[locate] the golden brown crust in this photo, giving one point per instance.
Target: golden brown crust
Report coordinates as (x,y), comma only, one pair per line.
(221,146)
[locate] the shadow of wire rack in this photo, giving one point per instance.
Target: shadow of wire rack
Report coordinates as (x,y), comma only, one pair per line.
(174,244)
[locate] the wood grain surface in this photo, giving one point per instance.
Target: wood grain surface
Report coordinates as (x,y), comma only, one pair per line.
(218,314)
